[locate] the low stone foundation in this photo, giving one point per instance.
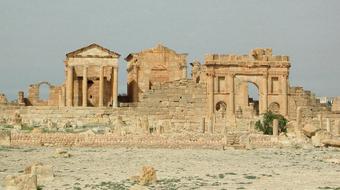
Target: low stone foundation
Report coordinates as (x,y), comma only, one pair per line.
(60,139)
(102,140)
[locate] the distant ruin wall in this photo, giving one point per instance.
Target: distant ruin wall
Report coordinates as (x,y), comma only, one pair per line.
(34,95)
(100,140)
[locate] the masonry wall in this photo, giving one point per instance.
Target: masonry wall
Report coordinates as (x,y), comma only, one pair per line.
(298,97)
(181,102)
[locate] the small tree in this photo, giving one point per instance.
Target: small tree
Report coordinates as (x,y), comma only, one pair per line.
(266,126)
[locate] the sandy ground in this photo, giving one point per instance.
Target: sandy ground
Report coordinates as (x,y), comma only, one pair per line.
(109,168)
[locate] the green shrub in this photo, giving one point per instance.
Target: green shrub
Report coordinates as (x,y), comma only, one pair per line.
(266,126)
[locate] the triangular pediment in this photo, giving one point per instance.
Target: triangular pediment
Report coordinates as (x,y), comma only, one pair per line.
(93,50)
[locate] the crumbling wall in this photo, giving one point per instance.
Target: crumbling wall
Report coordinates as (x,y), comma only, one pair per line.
(99,140)
(34,95)
(181,103)
(298,97)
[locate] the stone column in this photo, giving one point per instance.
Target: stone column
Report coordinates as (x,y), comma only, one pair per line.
(264,94)
(114,79)
(284,83)
(275,127)
(210,89)
(85,86)
(101,87)
(231,104)
(69,86)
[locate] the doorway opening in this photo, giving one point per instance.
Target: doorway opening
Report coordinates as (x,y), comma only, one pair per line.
(253,97)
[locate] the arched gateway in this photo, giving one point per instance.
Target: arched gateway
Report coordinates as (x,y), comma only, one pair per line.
(228,77)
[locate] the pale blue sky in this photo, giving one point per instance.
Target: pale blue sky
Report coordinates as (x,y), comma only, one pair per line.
(35,35)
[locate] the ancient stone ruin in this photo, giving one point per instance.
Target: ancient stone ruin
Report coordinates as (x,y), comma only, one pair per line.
(212,106)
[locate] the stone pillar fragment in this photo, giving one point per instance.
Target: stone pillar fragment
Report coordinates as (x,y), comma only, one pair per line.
(275,127)
(21,98)
(101,87)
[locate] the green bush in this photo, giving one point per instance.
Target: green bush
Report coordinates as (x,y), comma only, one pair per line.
(266,126)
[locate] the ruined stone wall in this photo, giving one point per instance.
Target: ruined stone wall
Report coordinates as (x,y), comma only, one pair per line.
(182,103)
(152,66)
(176,106)
(336,104)
(34,98)
(99,140)
(298,97)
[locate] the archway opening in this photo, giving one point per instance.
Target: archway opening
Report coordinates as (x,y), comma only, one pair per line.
(253,97)
(44,90)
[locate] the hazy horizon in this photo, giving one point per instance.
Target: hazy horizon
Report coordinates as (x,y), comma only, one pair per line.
(36,35)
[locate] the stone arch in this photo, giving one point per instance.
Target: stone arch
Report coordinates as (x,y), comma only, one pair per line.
(248,95)
(41,95)
(34,94)
(274,107)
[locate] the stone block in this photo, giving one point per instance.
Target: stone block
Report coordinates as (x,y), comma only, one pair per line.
(43,172)
(20,182)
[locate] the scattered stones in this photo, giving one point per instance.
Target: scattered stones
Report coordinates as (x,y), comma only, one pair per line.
(147,177)
(43,172)
(332,160)
(319,137)
(59,152)
(331,142)
(309,130)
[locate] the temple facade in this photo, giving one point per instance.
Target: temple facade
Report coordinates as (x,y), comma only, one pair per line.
(91,78)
